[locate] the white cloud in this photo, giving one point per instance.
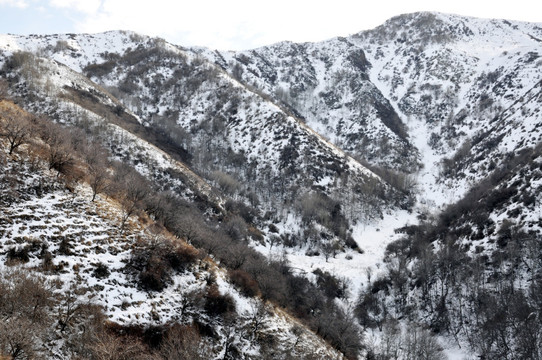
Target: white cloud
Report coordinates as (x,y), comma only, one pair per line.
(227,24)
(195,22)
(89,7)
(21,4)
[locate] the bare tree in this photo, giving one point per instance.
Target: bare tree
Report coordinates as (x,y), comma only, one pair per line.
(17,338)
(236,228)
(68,308)
(85,331)
(4,89)
(60,157)
(99,177)
(25,304)
(420,344)
(257,316)
(60,151)
(15,127)
(226,182)
(2,164)
(109,346)
(132,191)
(230,333)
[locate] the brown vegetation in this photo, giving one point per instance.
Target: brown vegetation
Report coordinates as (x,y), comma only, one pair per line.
(155,262)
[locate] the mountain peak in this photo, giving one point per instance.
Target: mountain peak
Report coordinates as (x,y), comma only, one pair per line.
(440,28)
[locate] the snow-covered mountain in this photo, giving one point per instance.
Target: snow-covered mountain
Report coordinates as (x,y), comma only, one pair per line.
(316,153)
(226,131)
(473,85)
(328,85)
(417,88)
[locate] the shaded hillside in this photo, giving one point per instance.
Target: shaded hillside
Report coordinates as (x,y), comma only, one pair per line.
(475,271)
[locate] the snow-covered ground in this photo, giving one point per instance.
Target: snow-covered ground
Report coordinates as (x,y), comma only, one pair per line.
(94,239)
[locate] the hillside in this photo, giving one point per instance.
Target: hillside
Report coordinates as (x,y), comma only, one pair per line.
(328,85)
(434,84)
(473,85)
(382,189)
(232,135)
(106,259)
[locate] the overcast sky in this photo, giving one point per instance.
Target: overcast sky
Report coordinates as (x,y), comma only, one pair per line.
(236,24)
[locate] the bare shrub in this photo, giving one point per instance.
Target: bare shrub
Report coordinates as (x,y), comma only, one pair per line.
(319,208)
(101,271)
(18,60)
(331,285)
(217,303)
(248,213)
(65,247)
(19,254)
(132,189)
(4,89)
(236,228)
(156,258)
(184,342)
(25,305)
(420,344)
(244,282)
(61,45)
(59,153)
(226,182)
(109,346)
(413,342)
(99,178)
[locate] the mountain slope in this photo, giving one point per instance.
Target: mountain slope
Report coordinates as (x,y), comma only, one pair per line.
(475,271)
(232,135)
(125,266)
(328,85)
(417,74)
(471,84)
(74,100)
(315,153)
